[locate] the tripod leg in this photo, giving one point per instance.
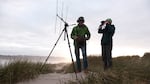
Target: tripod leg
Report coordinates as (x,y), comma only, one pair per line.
(70,52)
(51,50)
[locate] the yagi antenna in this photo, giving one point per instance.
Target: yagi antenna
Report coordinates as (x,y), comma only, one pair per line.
(60,12)
(56,13)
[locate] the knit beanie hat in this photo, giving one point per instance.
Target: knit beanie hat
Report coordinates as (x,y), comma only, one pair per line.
(109,20)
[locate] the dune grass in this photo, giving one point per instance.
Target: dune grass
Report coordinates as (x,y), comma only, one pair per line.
(21,71)
(125,70)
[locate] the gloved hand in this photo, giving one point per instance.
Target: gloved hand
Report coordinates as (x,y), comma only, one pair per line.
(75,37)
(80,40)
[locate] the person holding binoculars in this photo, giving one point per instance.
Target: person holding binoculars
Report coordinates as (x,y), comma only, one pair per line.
(107,30)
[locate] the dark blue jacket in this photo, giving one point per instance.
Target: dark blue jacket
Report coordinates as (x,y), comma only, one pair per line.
(108,33)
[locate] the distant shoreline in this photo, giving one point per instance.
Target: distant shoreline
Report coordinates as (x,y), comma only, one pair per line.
(9,58)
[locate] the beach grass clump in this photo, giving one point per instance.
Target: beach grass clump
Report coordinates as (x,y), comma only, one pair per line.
(17,71)
(125,70)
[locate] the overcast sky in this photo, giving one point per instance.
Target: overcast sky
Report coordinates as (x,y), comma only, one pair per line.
(30,27)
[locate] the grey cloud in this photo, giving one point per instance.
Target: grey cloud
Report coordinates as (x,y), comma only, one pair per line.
(29,24)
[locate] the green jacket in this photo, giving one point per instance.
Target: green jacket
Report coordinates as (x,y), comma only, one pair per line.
(80,32)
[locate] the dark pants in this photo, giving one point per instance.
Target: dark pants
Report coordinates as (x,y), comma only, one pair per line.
(77,53)
(107,56)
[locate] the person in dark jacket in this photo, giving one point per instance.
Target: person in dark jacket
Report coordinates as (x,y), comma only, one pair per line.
(107,29)
(80,34)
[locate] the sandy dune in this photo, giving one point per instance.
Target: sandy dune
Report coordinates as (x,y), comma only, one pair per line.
(54,78)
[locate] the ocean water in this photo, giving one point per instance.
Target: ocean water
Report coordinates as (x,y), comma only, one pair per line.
(4,60)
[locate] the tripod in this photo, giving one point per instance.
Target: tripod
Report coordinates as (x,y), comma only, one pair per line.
(66,33)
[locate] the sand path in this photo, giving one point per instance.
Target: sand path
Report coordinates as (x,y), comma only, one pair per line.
(54,78)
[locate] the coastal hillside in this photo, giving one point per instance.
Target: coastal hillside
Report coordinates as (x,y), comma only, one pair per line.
(125,70)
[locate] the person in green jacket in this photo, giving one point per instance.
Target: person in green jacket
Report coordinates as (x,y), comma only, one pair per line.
(107,29)
(80,34)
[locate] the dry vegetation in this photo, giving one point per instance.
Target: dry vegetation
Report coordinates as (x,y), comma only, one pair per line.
(125,70)
(22,71)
